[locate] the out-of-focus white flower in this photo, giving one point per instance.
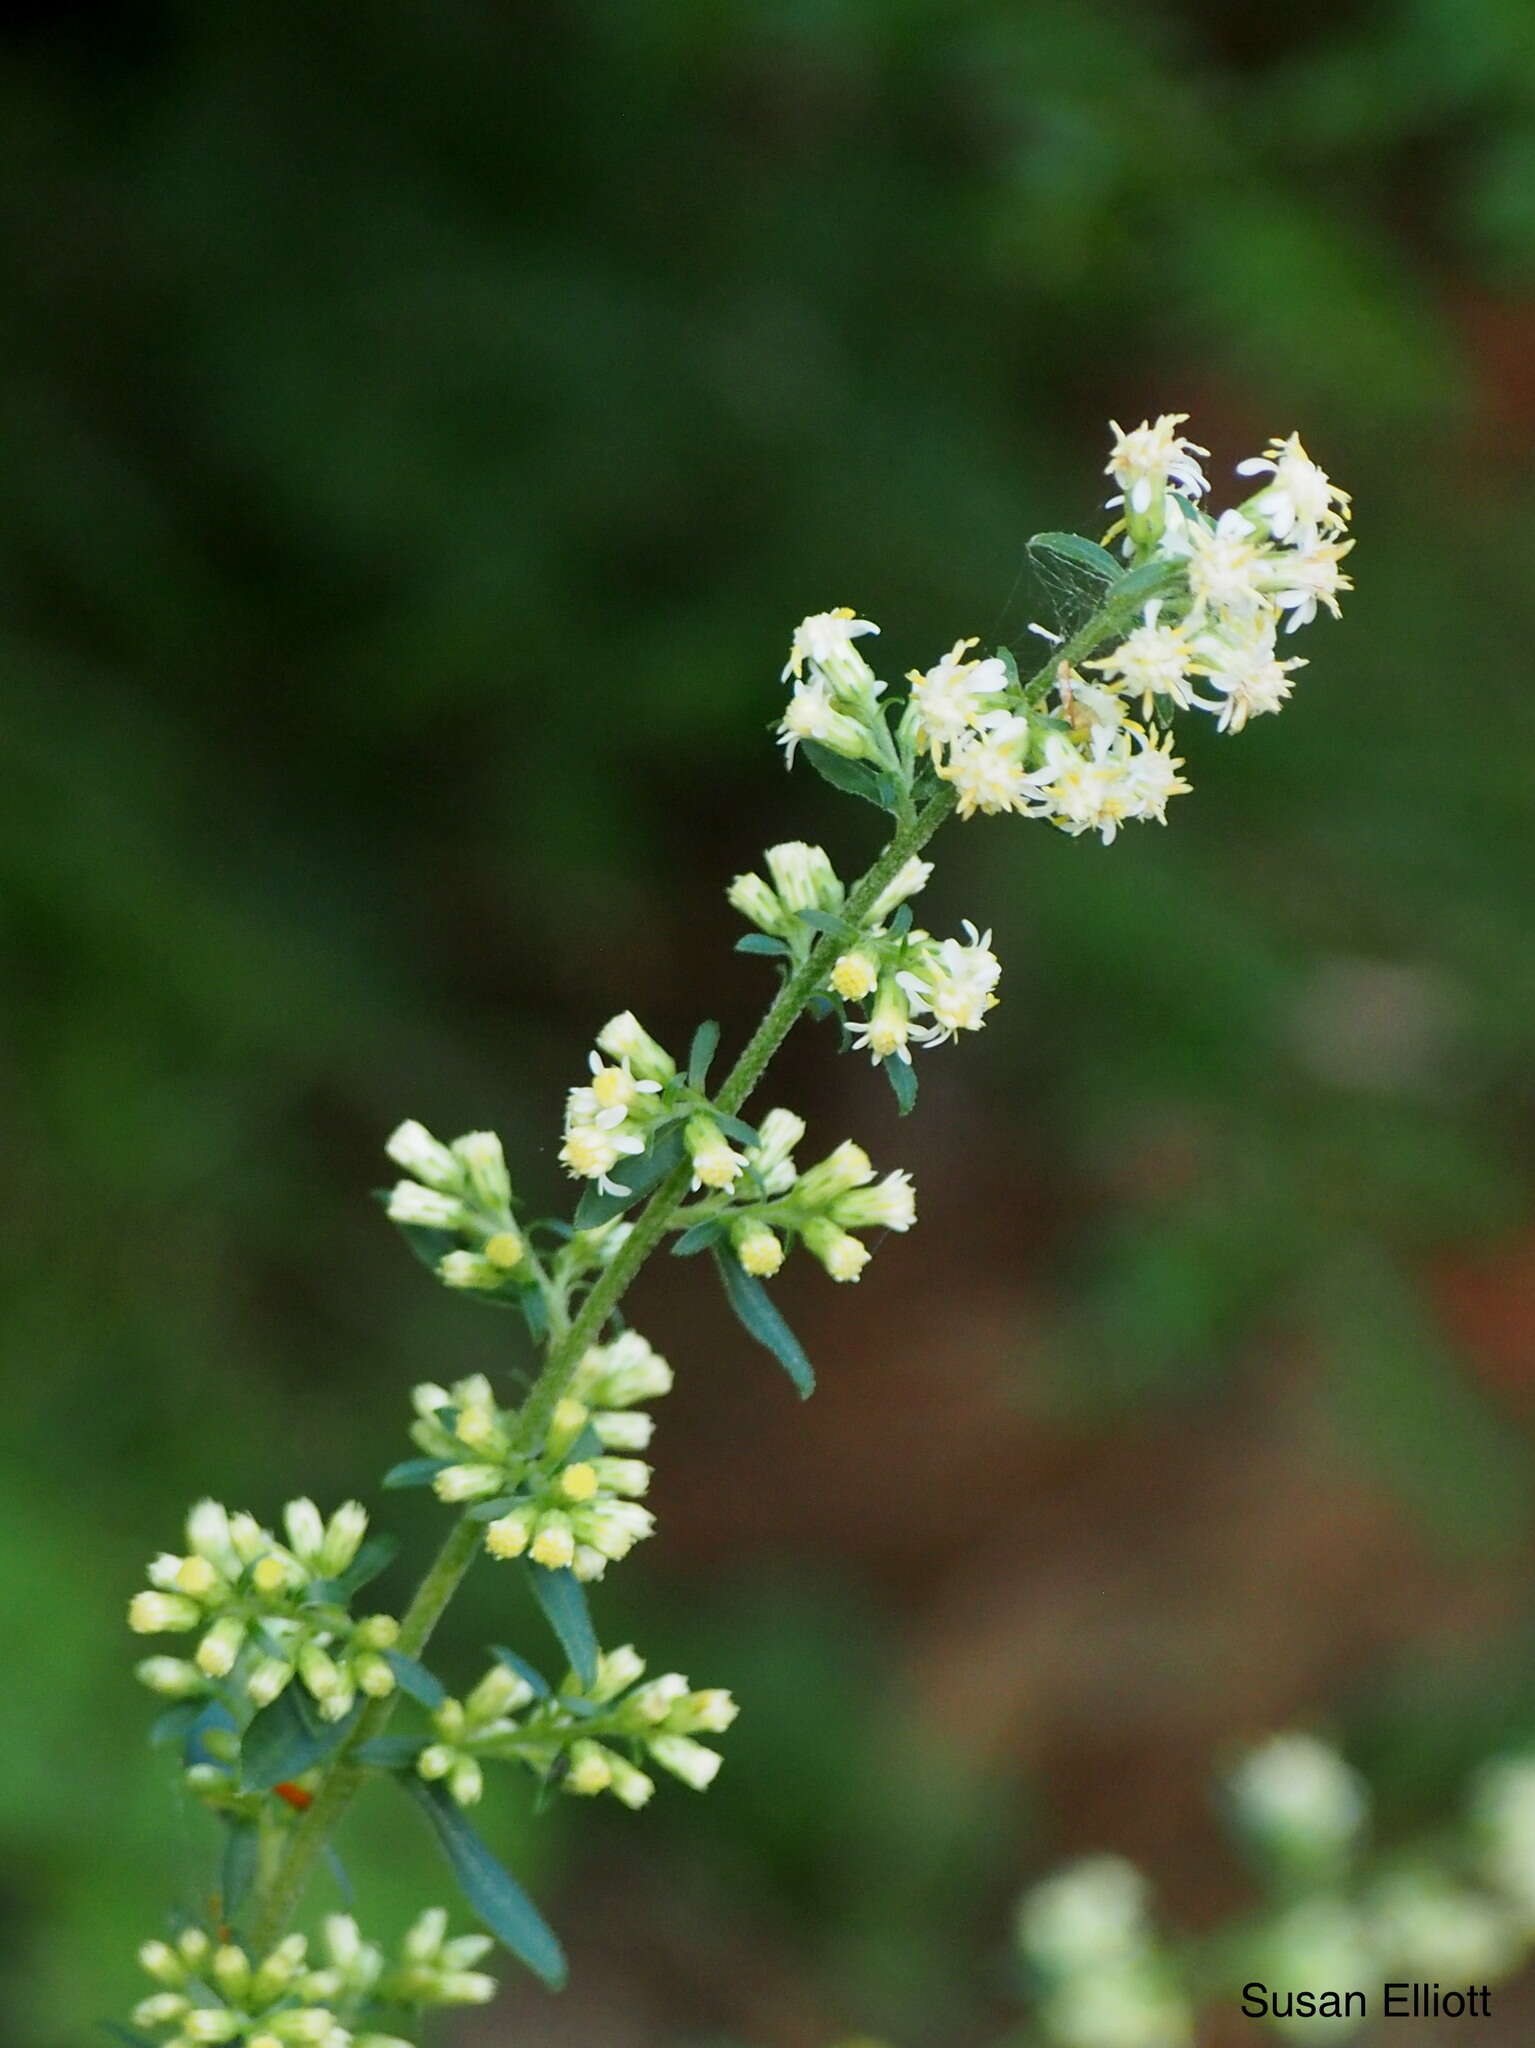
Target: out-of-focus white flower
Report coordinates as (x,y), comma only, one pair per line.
(1296,1793)
(1091,1915)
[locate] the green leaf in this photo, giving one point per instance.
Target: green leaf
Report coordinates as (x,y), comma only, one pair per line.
(733,1127)
(171,1729)
(529,1673)
(431,1247)
(288,1738)
(375,1556)
(492,1510)
(699,1237)
(242,1842)
(414,1472)
(762,942)
(900,924)
(705,1044)
(535,1310)
(760,1319)
(1147,579)
(129,2036)
(902,1076)
(491,1890)
(390,1752)
(826,921)
(210,1714)
(1083,554)
(339,1877)
(563,1598)
(638,1175)
(413,1677)
(1009,661)
(855,778)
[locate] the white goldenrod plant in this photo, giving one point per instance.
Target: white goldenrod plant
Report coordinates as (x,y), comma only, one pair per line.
(290,1703)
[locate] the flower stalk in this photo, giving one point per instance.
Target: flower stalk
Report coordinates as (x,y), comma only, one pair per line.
(287,1706)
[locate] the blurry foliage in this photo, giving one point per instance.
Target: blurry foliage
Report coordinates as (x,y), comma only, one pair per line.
(421,425)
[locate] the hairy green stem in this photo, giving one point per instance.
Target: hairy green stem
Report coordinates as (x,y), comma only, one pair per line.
(653,1220)
(278,1896)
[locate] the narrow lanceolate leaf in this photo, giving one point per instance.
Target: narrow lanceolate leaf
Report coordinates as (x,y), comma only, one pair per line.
(375,1556)
(242,1840)
(563,1598)
(490,1889)
(339,1877)
(413,1472)
(636,1176)
(698,1237)
(760,1319)
(1081,553)
(826,921)
(390,1752)
(733,1127)
(856,778)
(763,942)
(413,1677)
(1145,580)
(527,1672)
(210,1714)
(902,1076)
(431,1247)
(170,1729)
(288,1738)
(705,1044)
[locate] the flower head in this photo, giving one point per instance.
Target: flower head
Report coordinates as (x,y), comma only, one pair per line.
(1153,458)
(1301,503)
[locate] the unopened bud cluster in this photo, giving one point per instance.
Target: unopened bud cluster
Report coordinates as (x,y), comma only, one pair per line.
(585,1742)
(575,1500)
(345,1995)
(265,1611)
(463,1189)
(774,1205)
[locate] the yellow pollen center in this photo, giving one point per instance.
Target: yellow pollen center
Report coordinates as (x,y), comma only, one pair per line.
(578,1482)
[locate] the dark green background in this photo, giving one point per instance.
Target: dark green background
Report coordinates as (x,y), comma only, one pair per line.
(421,427)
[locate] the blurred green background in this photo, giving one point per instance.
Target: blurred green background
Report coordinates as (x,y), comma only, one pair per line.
(422,426)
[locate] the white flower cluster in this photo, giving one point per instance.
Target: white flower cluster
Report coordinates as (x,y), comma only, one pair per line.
(835,700)
(1276,558)
(461,1188)
(1206,639)
(917,990)
(212,1993)
(571,1501)
(1456,1910)
(1299,1801)
(586,1742)
(609,1118)
(266,1610)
